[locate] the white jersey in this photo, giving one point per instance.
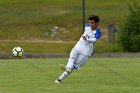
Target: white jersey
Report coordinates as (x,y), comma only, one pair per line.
(92,36)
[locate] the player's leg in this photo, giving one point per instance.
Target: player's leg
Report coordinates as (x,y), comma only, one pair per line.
(80,61)
(69,67)
(61,77)
(67,70)
(73,57)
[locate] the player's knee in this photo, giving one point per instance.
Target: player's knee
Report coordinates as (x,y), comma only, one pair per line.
(84,58)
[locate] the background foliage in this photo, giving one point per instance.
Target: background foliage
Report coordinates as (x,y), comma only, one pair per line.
(130,31)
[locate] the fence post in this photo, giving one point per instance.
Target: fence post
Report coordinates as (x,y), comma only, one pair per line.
(111,31)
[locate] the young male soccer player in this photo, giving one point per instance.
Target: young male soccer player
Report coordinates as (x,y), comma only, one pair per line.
(83,48)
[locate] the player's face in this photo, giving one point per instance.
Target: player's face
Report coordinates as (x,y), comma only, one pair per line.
(93,24)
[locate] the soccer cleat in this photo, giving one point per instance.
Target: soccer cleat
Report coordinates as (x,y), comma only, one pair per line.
(64,68)
(57,81)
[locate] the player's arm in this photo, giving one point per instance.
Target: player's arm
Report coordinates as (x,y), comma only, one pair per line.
(84,35)
(85,31)
(95,38)
(91,40)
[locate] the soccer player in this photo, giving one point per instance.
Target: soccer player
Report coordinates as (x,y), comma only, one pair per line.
(83,48)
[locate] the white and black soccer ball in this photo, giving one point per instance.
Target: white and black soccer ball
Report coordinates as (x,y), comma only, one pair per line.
(18,51)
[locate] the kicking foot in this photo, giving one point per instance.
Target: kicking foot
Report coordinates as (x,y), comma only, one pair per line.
(57,81)
(64,68)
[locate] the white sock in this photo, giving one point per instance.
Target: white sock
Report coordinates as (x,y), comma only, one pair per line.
(63,76)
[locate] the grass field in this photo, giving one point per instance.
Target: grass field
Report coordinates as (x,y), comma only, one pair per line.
(99,75)
(31,20)
(34,20)
(55,47)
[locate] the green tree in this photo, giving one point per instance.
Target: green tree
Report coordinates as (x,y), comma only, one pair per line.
(129,35)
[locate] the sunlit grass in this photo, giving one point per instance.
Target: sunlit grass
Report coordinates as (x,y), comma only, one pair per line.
(98,75)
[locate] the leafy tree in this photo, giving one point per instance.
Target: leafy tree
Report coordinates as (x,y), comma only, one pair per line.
(129,35)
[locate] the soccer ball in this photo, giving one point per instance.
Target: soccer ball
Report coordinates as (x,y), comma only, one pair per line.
(17,51)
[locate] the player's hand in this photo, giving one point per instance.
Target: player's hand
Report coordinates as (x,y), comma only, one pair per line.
(84,37)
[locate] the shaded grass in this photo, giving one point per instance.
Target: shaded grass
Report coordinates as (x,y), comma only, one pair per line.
(99,75)
(55,47)
(38,47)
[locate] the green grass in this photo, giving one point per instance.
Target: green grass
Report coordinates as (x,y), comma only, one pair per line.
(32,20)
(29,20)
(38,47)
(98,75)
(55,47)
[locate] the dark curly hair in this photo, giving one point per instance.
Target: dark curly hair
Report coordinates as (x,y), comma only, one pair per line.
(94,17)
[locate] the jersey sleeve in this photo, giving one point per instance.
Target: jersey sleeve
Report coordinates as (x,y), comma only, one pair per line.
(98,34)
(96,37)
